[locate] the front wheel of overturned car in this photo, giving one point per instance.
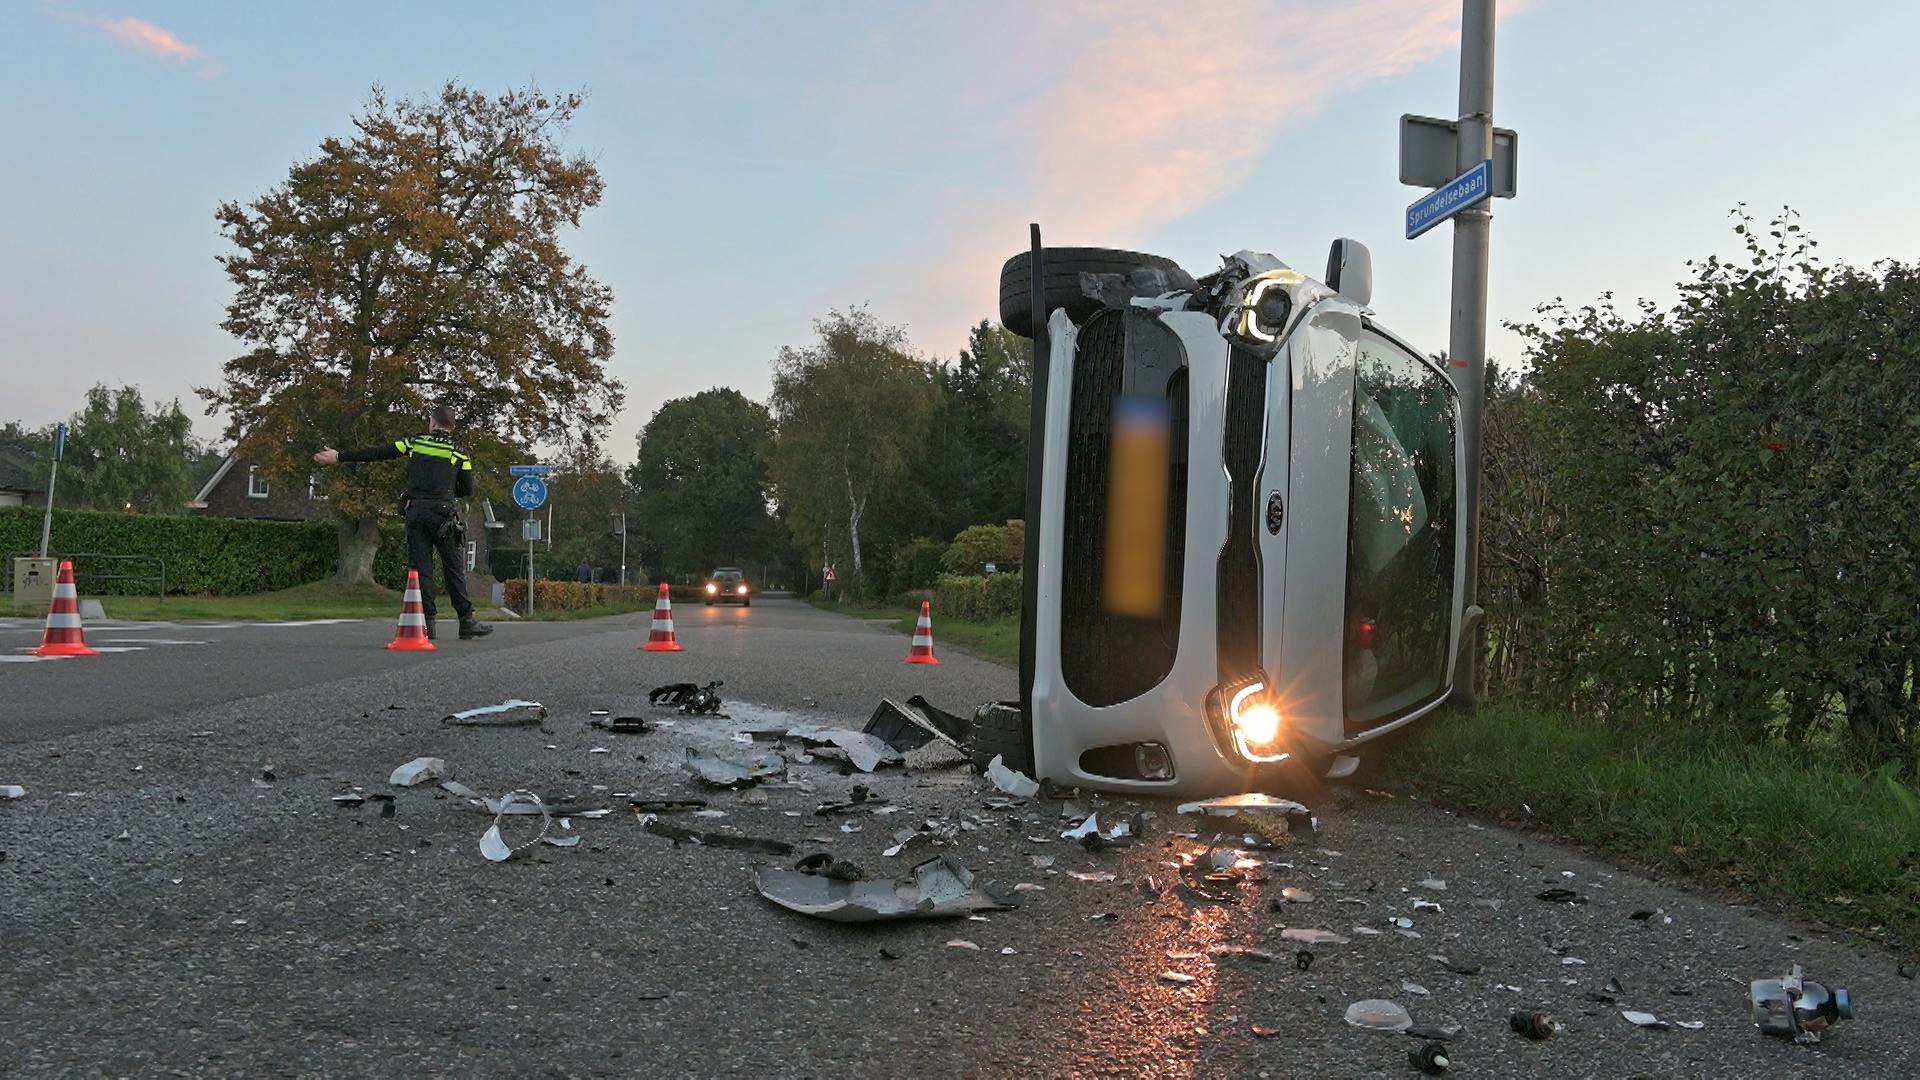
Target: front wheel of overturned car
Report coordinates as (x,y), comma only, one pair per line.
(1061,268)
(1000,729)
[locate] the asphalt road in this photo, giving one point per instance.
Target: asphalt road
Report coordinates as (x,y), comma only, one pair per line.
(161,912)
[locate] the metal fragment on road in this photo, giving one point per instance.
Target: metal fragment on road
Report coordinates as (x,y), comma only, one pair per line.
(1293,895)
(561,841)
(511,713)
(1426,905)
(1249,803)
(1644,1019)
(717,771)
(1533,1025)
(1012,781)
(1245,952)
(349,800)
(729,841)
(939,888)
(624,725)
(1558,895)
(958,943)
(493,845)
(1378,1014)
(418,771)
(866,752)
(1312,936)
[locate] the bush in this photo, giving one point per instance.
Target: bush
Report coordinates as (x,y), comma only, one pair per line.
(977,598)
(978,545)
(918,565)
(575,595)
(203,555)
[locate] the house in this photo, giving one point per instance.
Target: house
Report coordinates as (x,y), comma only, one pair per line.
(17,485)
(240,489)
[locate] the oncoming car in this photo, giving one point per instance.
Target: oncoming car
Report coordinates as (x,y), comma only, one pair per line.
(728,585)
(1248,557)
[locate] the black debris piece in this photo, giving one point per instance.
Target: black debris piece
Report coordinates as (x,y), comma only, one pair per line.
(826,866)
(666,806)
(1533,1025)
(915,724)
(1303,960)
(717,840)
(624,725)
(1434,1033)
(1641,916)
(1908,971)
(1559,895)
(1430,1058)
(672,693)
(859,796)
(889,954)
(1461,967)
(689,697)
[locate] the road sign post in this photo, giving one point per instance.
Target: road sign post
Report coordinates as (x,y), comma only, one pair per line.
(53,477)
(529,492)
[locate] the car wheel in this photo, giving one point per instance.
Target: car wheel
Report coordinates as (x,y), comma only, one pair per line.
(1063,267)
(709,603)
(746,603)
(1001,730)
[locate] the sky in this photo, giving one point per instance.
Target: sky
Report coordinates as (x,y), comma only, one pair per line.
(817,156)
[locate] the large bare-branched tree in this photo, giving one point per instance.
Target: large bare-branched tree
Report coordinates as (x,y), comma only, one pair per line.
(417,261)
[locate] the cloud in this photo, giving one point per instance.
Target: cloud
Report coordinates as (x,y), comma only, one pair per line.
(141,36)
(1153,116)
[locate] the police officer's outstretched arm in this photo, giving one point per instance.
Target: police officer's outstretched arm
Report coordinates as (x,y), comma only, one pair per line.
(384,452)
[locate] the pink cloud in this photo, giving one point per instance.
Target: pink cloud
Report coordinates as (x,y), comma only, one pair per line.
(141,36)
(1153,115)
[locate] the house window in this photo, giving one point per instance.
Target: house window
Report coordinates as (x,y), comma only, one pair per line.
(473,552)
(256,484)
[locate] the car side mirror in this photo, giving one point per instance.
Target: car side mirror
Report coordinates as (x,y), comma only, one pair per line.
(1350,270)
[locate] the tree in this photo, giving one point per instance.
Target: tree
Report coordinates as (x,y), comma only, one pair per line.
(586,487)
(417,262)
(851,410)
(701,485)
(121,456)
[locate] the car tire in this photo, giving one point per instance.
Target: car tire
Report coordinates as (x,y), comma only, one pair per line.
(709,603)
(1063,267)
(1000,729)
(746,603)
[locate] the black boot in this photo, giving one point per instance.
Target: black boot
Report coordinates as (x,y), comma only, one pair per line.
(430,621)
(471,628)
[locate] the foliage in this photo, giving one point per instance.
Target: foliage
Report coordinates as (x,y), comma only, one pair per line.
(121,456)
(978,545)
(210,555)
(917,565)
(851,411)
(1722,529)
(701,484)
(417,262)
(977,598)
(576,596)
(585,489)
(974,468)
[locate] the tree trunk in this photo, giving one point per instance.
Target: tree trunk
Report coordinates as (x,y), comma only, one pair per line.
(359,540)
(854,509)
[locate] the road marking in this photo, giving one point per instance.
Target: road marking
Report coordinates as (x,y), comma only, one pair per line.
(150,641)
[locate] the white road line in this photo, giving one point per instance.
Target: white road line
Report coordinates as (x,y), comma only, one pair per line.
(150,641)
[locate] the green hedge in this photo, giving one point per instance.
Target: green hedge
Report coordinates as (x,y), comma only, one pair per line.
(977,598)
(204,555)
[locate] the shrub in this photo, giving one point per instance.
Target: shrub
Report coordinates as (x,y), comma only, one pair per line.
(978,545)
(574,595)
(918,565)
(977,597)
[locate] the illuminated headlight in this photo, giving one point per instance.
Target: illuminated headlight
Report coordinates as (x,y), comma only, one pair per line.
(712,588)
(1265,305)
(742,590)
(1256,724)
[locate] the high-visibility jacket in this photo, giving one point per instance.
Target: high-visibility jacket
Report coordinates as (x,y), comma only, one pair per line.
(437,470)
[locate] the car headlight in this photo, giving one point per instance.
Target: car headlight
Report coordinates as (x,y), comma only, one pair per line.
(742,590)
(1256,724)
(1258,315)
(712,588)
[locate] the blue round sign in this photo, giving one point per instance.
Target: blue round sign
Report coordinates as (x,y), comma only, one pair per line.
(529,492)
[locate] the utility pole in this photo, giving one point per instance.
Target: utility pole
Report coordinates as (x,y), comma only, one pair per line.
(1467,333)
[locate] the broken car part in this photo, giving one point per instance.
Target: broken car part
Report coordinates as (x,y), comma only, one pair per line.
(915,724)
(1430,1058)
(1378,1014)
(512,713)
(666,806)
(1558,895)
(728,841)
(1012,781)
(12,791)
(1534,1025)
(419,770)
(1798,1008)
(938,888)
(867,752)
(717,771)
(624,725)
(493,845)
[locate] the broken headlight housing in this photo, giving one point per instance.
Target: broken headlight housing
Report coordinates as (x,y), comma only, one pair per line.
(1259,310)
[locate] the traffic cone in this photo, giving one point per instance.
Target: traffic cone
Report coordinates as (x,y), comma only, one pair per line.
(922,650)
(64,636)
(660,638)
(411,634)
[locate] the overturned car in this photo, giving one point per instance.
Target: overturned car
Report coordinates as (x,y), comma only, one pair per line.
(1244,552)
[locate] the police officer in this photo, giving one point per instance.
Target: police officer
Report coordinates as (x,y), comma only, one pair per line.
(437,473)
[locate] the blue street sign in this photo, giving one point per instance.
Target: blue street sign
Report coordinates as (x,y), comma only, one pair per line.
(529,492)
(60,443)
(531,470)
(1470,188)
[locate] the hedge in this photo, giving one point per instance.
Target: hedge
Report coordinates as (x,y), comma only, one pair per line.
(575,595)
(203,555)
(977,598)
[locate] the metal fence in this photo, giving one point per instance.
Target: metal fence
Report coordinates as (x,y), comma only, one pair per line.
(88,572)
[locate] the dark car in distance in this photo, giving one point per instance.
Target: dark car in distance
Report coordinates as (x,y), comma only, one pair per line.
(728,585)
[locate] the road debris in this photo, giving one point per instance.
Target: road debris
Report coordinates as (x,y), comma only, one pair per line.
(1431,885)
(1090,835)
(624,725)
(1264,1032)
(510,713)
(493,845)
(1012,781)
(1426,905)
(939,888)
(350,799)
(1797,1008)
(729,841)
(717,771)
(858,796)
(1097,876)
(1245,952)
(1177,978)
(1300,820)
(866,752)
(1303,960)
(690,698)
(1533,1025)
(417,771)
(1311,936)
(958,943)
(455,787)
(1558,895)
(1414,988)
(12,791)
(1378,1014)
(915,724)
(1430,1058)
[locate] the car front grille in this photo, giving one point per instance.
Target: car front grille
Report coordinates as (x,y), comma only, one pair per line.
(1237,601)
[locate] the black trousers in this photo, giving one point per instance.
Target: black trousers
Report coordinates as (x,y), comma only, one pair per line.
(428,532)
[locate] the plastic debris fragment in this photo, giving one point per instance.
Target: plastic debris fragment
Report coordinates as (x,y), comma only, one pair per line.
(1012,781)
(493,845)
(938,888)
(12,791)
(511,713)
(1430,1058)
(417,771)
(1307,936)
(729,841)
(914,724)
(1378,1014)
(1644,1019)
(1177,978)
(717,771)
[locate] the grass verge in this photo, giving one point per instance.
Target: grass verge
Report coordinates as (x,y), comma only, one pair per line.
(1770,825)
(316,600)
(997,640)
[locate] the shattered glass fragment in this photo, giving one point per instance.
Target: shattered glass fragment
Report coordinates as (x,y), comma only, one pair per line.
(1378,1014)
(510,713)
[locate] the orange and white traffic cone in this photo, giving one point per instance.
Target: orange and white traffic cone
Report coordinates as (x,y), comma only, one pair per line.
(660,638)
(922,650)
(411,634)
(64,636)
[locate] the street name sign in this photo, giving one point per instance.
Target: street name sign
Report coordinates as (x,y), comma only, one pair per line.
(1470,188)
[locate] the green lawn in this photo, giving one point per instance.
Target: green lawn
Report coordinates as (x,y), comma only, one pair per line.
(317,600)
(1780,827)
(997,640)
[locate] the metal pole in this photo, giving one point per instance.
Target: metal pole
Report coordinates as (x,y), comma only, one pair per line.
(46,520)
(530,521)
(623,548)
(1467,340)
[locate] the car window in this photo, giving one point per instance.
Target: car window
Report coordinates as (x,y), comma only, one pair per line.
(1400,535)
